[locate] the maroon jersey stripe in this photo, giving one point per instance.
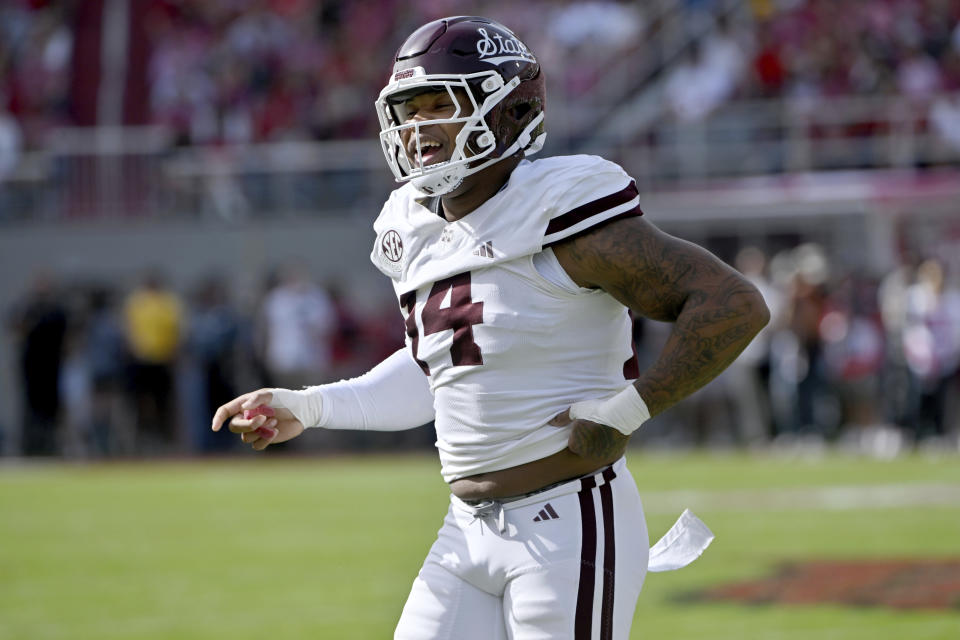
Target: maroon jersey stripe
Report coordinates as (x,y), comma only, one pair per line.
(584,211)
(630,213)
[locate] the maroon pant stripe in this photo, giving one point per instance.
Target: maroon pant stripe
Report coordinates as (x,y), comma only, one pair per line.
(588,563)
(609,555)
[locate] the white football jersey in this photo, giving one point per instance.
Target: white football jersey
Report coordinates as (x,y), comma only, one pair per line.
(505,336)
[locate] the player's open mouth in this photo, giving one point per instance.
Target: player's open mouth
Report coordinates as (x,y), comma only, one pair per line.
(431,151)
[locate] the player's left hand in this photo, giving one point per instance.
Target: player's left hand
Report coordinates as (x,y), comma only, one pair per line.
(257,423)
(591,439)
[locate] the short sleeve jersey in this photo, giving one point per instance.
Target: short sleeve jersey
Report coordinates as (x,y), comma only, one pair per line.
(506,338)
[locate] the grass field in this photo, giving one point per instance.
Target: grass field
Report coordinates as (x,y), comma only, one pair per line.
(278,547)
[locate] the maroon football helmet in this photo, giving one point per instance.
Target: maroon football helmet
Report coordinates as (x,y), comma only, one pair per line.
(503,84)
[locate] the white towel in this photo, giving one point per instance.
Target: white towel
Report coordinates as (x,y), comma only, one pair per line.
(686,541)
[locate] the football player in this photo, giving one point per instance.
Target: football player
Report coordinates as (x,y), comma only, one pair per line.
(516,280)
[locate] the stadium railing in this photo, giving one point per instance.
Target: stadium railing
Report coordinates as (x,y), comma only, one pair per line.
(762,137)
(138,173)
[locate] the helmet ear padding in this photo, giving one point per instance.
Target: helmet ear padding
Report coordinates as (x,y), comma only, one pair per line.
(512,116)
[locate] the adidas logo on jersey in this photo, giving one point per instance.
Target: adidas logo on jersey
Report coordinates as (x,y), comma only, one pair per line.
(485,250)
(547,513)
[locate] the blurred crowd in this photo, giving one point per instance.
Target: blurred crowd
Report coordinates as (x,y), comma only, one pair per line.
(260,70)
(106,372)
(266,70)
(219,74)
(885,47)
(805,50)
(865,363)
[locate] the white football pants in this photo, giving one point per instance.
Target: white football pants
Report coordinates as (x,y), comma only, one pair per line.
(566,563)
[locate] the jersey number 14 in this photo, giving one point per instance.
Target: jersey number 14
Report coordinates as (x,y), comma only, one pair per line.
(460,315)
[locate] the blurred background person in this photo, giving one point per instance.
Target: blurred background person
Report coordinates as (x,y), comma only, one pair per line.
(931,343)
(299,321)
(748,378)
(804,409)
(107,354)
(213,352)
(154,325)
(851,331)
(39,324)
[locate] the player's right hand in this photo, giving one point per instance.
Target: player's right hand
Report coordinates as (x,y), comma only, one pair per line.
(258,424)
(592,440)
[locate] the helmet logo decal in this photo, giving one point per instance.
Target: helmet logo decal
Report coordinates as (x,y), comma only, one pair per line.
(503,49)
(392,246)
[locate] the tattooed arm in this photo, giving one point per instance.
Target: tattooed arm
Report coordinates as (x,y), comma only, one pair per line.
(716,312)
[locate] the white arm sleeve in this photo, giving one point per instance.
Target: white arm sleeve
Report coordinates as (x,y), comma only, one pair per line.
(393,396)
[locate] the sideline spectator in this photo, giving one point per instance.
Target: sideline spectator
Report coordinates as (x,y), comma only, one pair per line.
(932,347)
(39,323)
(154,326)
(212,349)
(299,320)
(76,390)
(853,347)
(107,357)
(803,407)
(749,375)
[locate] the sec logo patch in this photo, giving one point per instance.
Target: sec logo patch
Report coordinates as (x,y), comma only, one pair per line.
(392,246)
